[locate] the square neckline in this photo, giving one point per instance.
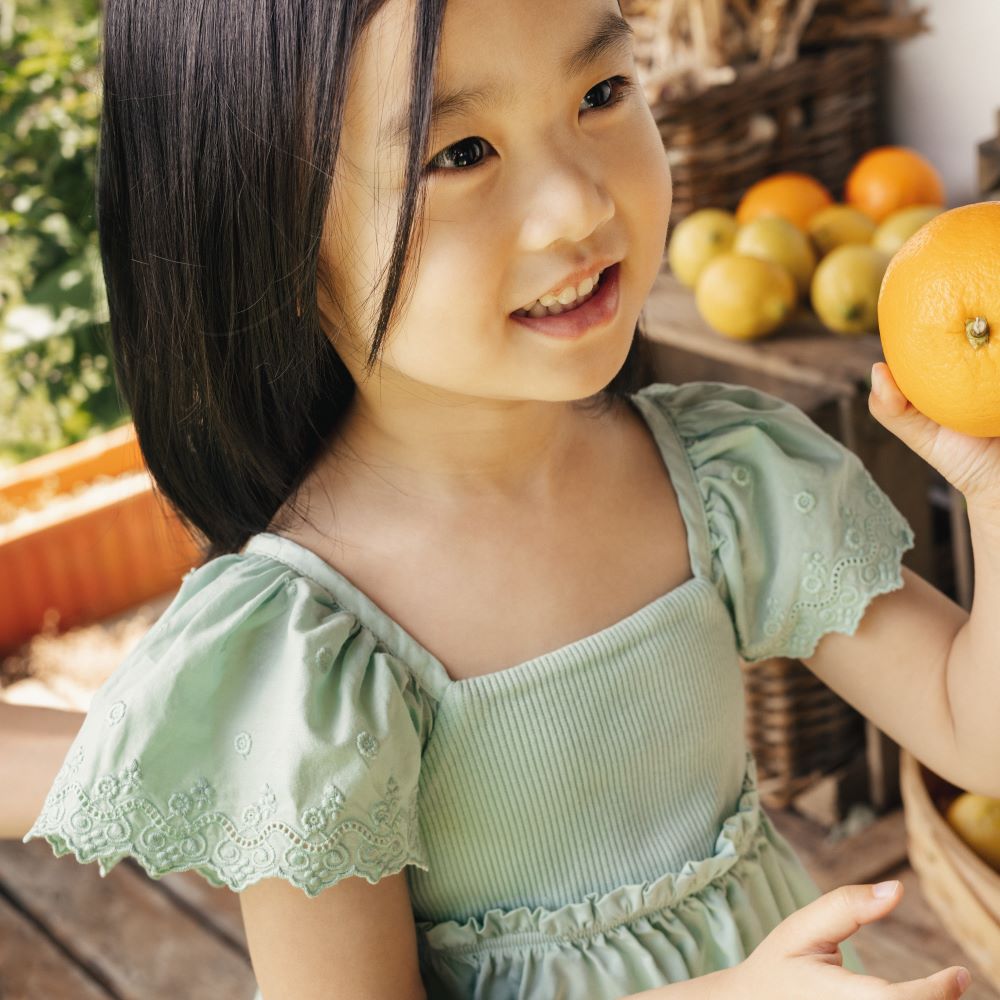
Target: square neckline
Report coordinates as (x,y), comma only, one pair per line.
(429,669)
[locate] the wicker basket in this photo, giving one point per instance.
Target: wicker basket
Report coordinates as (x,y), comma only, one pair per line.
(962,889)
(816,115)
(797,728)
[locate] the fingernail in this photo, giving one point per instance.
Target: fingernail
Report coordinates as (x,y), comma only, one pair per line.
(963,978)
(885,889)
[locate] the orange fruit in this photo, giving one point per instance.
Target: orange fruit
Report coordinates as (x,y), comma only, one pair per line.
(939,318)
(889,178)
(791,195)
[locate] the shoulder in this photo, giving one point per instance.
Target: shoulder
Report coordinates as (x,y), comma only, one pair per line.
(801,535)
(253,619)
(700,408)
(256,717)
(741,432)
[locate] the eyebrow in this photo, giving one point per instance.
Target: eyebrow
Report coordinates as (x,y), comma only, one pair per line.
(611,32)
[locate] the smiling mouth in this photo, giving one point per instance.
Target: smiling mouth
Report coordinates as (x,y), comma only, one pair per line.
(537,310)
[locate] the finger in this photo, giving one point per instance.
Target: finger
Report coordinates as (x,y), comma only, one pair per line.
(943,985)
(897,414)
(821,925)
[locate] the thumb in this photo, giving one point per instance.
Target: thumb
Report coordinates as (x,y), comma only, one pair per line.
(943,985)
(897,414)
(821,925)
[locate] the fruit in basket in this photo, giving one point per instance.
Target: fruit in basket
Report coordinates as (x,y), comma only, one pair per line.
(835,225)
(897,228)
(892,177)
(976,819)
(744,297)
(792,195)
(771,237)
(939,319)
(845,288)
(698,238)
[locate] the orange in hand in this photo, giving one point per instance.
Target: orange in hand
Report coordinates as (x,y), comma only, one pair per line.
(939,319)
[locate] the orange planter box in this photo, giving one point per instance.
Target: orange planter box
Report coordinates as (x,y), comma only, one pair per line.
(100,544)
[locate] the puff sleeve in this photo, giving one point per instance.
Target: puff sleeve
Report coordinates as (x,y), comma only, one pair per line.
(256,730)
(802,538)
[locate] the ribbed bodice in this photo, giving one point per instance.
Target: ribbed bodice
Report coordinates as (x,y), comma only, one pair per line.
(605,763)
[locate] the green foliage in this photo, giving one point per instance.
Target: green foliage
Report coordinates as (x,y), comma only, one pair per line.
(53,393)
(56,385)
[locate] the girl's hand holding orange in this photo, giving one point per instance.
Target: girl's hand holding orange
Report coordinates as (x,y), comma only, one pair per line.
(939,320)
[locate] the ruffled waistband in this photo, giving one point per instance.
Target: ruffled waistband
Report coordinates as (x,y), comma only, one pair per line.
(503,929)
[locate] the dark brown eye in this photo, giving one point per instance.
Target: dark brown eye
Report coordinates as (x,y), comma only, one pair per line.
(461,156)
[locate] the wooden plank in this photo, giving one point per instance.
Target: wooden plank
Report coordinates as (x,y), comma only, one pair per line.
(33,967)
(144,945)
(218,907)
(863,857)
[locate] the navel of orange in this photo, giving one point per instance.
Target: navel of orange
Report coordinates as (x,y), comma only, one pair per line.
(939,319)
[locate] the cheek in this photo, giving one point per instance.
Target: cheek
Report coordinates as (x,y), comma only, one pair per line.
(651,187)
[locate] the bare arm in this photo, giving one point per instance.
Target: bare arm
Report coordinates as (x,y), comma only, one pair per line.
(972,676)
(34,741)
(924,670)
(353,941)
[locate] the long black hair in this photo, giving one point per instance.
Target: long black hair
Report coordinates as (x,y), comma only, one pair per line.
(220,130)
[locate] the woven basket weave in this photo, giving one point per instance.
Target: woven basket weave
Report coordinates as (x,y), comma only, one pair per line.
(816,115)
(797,728)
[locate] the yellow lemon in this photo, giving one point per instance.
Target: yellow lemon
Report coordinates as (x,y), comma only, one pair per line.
(773,238)
(836,225)
(895,230)
(744,297)
(976,819)
(698,238)
(845,288)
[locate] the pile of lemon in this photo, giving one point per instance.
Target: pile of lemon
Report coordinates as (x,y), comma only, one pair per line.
(789,244)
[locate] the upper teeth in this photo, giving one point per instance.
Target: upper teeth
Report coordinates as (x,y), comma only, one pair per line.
(565,296)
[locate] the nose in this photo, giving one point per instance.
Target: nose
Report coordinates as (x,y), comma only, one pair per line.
(567,200)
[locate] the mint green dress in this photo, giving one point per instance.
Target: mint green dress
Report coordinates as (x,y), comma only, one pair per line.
(585,824)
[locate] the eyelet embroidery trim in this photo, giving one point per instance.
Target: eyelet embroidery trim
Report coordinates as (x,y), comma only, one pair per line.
(838,589)
(367,744)
(242,744)
(804,501)
(118,817)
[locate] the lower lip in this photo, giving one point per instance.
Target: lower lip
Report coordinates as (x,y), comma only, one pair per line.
(598,310)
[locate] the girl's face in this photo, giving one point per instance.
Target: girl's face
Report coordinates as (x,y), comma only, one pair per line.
(558,168)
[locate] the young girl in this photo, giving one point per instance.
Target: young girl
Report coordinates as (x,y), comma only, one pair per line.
(454,703)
